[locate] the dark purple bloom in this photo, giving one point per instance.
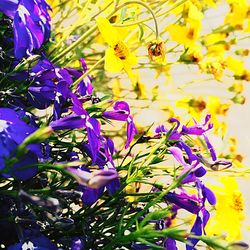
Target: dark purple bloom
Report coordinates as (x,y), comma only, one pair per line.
(131,131)
(52,85)
(33,239)
(93,133)
(13,131)
(31,24)
(188,202)
(69,122)
(85,86)
(121,112)
(174,135)
(198,228)
(161,129)
(170,244)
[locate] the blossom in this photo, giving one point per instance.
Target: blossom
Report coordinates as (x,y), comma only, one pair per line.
(93,184)
(31,24)
(33,239)
(197,129)
(13,132)
(121,112)
(117,56)
(81,120)
(229,210)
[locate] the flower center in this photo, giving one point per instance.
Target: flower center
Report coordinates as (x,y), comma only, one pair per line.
(121,50)
(237,202)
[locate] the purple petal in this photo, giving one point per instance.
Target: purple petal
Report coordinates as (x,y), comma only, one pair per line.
(119,115)
(189,203)
(170,244)
(68,122)
(178,155)
(199,172)
(172,120)
(209,195)
(210,148)
(196,230)
(131,131)
(9,7)
(161,129)
(121,105)
(93,132)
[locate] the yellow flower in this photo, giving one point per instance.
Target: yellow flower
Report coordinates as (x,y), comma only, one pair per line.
(238,13)
(195,107)
(235,65)
(183,35)
(216,44)
(117,56)
(229,212)
(216,108)
(213,65)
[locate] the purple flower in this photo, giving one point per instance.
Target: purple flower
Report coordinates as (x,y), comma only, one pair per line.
(51,84)
(13,131)
(33,239)
(188,202)
(93,184)
(170,244)
(121,112)
(31,24)
(174,135)
(197,129)
(69,122)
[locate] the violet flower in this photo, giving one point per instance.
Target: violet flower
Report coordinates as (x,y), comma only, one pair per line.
(33,239)
(13,131)
(121,112)
(198,129)
(52,85)
(31,24)
(94,184)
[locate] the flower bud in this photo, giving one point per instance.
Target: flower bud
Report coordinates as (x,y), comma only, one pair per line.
(157,51)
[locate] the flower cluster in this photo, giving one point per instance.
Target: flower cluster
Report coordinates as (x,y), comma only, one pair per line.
(65,184)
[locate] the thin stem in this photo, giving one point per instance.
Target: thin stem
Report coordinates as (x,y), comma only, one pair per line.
(87,72)
(148,8)
(94,28)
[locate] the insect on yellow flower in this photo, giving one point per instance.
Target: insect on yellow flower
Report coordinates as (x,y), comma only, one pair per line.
(117,56)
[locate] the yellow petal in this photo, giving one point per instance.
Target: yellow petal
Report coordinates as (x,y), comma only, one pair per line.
(132,59)
(108,32)
(128,70)
(112,62)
